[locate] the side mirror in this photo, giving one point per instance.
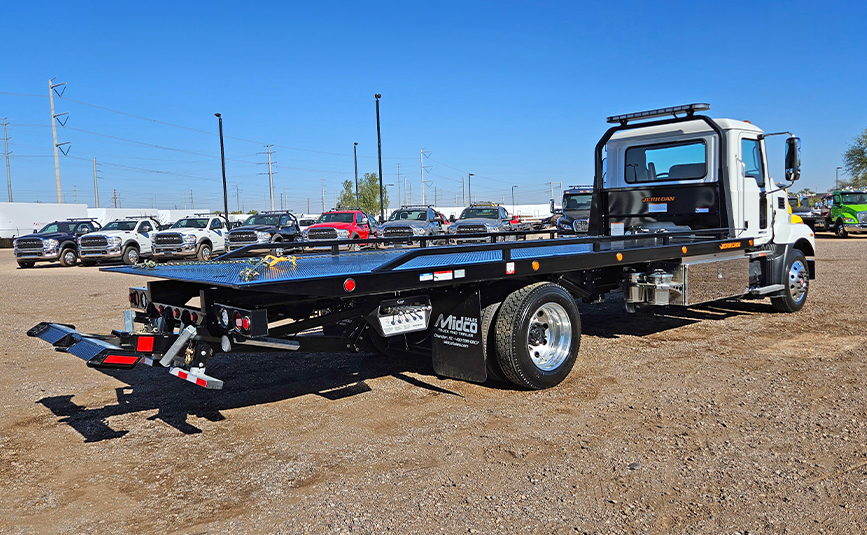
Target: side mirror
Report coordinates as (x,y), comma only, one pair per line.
(551,206)
(793,158)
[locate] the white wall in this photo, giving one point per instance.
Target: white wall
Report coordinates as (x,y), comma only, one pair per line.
(19,218)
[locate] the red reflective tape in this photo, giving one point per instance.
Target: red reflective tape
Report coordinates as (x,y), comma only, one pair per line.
(119,359)
(201,382)
(145,344)
(182,375)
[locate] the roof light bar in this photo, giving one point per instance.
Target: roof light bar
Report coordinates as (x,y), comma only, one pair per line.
(688,109)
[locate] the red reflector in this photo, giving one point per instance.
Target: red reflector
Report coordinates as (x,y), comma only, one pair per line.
(182,375)
(201,382)
(245,323)
(160,309)
(119,359)
(177,313)
(145,344)
(193,317)
(349,285)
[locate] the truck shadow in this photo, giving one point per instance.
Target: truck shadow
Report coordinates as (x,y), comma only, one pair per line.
(250,379)
(610,319)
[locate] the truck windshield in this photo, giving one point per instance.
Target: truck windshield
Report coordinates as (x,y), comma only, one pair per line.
(337,217)
(410,215)
(577,202)
(270,220)
(191,223)
(480,213)
(58,226)
(120,225)
(854,197)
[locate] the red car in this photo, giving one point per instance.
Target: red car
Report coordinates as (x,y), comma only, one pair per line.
(342,225)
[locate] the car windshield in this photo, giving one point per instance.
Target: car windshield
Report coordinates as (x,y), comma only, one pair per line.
(191,223)
(337,217)
(854,197)
(120,225)
(409,215)
(58,226)
(480,213)
(271,220)
(577,202)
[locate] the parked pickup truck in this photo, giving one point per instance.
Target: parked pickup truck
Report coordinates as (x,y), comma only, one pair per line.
(55,242)
(265,227)
(342,225)
(125,239)
(199,237)
(576,210)
(485,218)
(413,221)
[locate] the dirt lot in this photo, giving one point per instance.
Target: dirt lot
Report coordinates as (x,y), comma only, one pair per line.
(719,419)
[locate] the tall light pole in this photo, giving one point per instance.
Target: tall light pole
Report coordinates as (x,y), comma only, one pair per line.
(379,145)
(223,158)
(357,198)
(513,199)
(837,178)
(470,188)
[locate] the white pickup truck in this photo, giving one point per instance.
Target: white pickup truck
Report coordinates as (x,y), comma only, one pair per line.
(126,239)
(199,236)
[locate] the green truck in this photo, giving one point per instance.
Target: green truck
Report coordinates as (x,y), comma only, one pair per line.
(845,212)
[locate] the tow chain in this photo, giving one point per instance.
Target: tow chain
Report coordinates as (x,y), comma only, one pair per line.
(250,273)
(151,264)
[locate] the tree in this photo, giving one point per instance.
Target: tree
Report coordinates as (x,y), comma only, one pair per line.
(855,162)
(368,193)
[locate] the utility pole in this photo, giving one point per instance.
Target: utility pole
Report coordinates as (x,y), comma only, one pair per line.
(463,192)
(469,187)
(193,205)
(404,193)
(421,155)
(8,174)
(114,197)
(379,145)
(323,194)
(95,187)
(238,198)
(270,177)
(75,193)
(52,89)
(357,197)
(308,205)
(398,182)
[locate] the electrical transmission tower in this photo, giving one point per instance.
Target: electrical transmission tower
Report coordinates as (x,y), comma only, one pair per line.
(421,156)
(55,118)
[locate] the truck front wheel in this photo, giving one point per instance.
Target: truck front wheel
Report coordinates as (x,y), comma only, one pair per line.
(538,333)
(204,252)
(130,255)
(68,257)
(797,284)
(840,230)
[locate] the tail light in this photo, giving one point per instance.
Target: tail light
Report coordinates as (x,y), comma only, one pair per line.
(245,323)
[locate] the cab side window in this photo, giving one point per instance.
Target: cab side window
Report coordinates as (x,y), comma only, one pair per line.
(216,224)
(285,221)
(144,227)
(83,228)
(751,156)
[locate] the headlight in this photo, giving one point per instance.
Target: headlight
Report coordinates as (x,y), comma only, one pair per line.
(492,228)
(189,238)
(418,231)
(342,233)
(263,236)
(114,241)
(50,244)
(304,234)
(452,229)
(849,219)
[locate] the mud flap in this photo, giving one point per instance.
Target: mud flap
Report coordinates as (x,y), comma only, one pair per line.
(458,351)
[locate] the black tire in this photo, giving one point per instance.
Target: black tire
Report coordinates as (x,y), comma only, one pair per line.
(489,344)
(518,326)
(204,252)
(840,230)
(796,282)
(68,257)
(88,263)
(354,246)
(131,255)
(26,265)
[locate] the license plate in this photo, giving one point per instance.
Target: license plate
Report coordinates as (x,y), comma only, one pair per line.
(401,323)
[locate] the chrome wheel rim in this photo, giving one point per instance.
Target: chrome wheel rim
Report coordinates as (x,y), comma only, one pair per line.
(549,336)
(133,256)
(799,280)
(69,257)
(206,253)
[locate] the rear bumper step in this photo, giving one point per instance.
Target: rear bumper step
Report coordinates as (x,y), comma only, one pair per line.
(97,351)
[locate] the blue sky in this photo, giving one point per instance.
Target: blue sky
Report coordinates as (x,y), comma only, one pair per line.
(516,93)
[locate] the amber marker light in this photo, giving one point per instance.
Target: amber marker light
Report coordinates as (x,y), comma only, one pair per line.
(683,249)
(535,265)
(619,257)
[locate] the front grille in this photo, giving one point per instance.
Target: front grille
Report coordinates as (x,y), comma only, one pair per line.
(94,241)
(29,243)
(471,229)
(862,217)
(397,232)
(168,239)
(242,236)
(322,234)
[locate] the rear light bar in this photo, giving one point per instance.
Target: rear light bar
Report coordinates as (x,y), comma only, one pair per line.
(239,320)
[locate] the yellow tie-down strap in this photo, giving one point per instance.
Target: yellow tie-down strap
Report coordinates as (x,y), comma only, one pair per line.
(252,272)
(272,260)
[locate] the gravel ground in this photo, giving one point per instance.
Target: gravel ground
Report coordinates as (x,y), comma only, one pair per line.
(726,419)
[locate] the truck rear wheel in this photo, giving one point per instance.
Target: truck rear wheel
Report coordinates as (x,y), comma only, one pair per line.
(538,333)
(797,284)
(68,257)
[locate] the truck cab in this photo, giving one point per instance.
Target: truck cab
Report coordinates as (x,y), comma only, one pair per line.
(848,212)
(576,210)
(127,239)
(265,227)
(200,236)
(410,221)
